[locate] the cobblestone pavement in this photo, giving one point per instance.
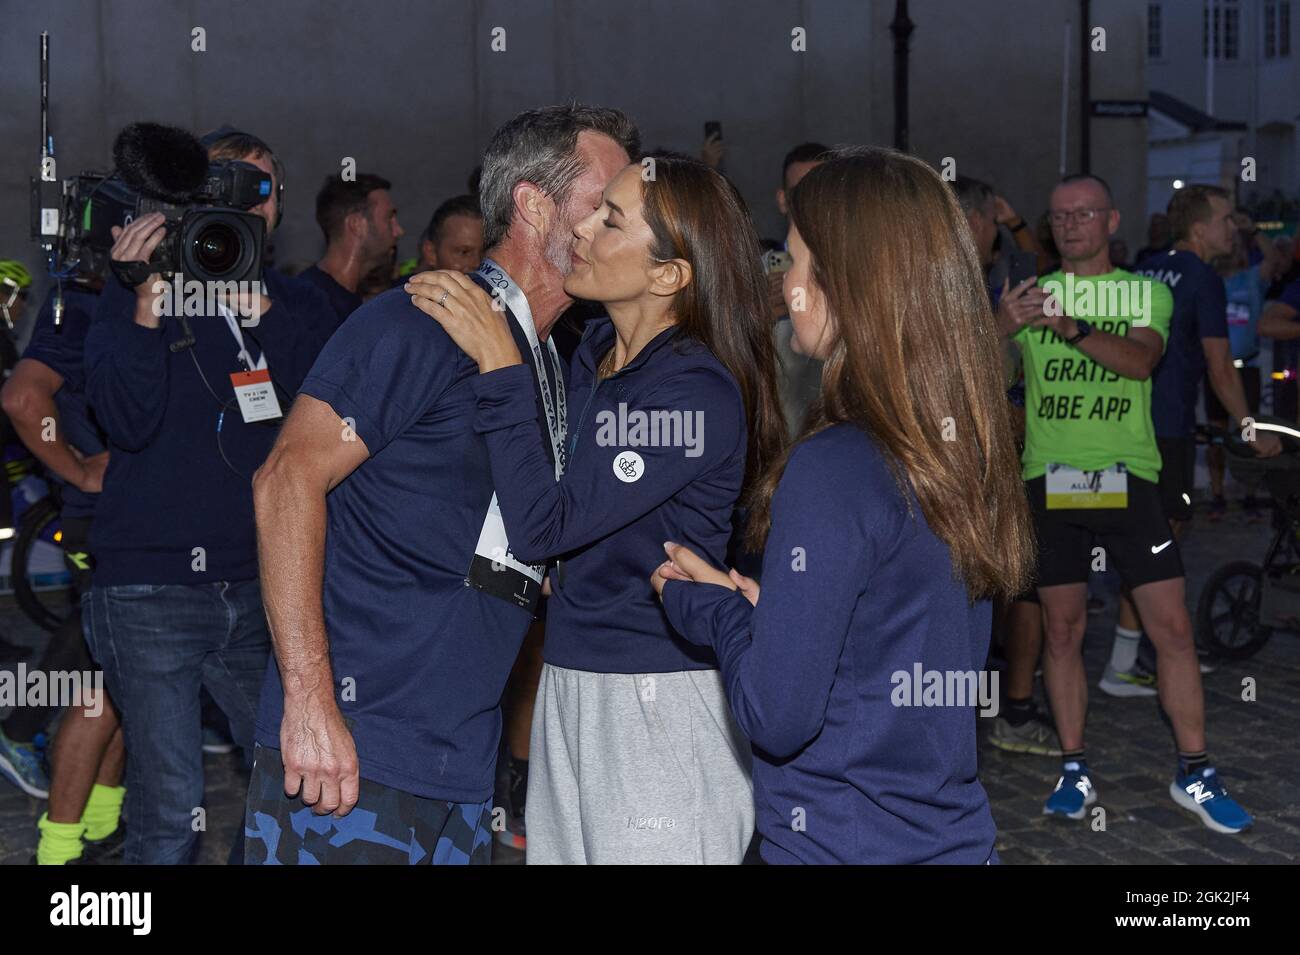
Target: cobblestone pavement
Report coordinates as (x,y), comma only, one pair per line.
(1130,750)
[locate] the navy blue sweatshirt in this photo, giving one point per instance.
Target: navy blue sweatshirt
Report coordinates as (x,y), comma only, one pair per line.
(855,590)
(621,496)
(169,489)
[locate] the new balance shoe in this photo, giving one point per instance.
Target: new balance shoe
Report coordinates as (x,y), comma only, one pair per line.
(23,764)
(1137,680)
(1033,736)
(1073,794)
(1203,794)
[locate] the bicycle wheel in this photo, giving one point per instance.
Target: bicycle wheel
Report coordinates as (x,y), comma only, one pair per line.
(1227,615)
(47,609)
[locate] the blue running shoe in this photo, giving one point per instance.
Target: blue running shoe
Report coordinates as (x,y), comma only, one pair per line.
(1203,794)
(1073,793)
(23,764)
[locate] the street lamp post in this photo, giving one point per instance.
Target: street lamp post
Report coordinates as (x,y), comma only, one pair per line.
(901,28)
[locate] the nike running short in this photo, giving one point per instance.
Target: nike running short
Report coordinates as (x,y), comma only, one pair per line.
(1135,540)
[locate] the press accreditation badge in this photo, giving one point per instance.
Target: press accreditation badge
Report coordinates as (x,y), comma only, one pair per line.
(496,572)
(1071,489)
(256,395)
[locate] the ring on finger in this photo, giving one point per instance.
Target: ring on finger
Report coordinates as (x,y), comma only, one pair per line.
(442,300)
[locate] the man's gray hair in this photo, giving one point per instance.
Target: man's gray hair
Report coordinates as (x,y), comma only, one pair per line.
(540,146)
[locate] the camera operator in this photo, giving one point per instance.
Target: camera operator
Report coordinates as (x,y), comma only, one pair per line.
(175,602)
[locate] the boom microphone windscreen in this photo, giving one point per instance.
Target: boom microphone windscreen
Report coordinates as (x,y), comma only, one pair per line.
(161,162)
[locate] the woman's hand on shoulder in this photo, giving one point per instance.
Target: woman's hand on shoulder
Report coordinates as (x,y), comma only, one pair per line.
(475,322)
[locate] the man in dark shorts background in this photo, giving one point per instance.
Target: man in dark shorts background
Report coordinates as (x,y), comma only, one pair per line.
(1091,466)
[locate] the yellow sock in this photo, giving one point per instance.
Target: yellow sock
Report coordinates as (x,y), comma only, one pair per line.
(103,810)
(60,841)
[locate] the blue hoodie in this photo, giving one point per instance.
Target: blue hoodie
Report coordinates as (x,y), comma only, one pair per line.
(621,495)
(855,591)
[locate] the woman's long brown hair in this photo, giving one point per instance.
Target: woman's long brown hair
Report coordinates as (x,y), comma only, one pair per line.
(696,214)
(915,360)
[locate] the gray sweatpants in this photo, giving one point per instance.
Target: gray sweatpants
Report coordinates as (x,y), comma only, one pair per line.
(636,768)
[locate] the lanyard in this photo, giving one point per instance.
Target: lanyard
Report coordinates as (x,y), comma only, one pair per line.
(557,411)
(243,353)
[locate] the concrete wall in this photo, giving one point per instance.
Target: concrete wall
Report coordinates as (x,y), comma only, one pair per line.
(412,89)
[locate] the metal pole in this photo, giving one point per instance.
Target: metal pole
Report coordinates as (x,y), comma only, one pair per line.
(1085,87)
(901,28)
(1065,97)
(1211,45)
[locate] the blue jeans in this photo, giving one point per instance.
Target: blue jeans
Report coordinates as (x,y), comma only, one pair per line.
(157,644)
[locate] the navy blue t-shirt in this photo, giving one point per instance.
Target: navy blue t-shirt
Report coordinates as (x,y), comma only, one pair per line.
(341,300)
(62,348)
(1200,311)
(426,655)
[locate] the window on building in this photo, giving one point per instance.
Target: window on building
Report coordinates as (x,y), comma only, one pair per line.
(1155,35)
(1221,19)
(1277,29)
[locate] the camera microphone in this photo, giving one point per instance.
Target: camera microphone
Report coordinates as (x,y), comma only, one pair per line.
(161,162)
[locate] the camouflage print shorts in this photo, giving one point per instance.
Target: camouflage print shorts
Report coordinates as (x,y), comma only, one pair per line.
(386,827)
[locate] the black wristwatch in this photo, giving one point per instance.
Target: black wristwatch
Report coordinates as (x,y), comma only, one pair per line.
(1084,330)
(1018,226)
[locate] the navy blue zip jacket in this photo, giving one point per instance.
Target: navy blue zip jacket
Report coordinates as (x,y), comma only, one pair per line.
(626,489)
(855,592)
(169,489)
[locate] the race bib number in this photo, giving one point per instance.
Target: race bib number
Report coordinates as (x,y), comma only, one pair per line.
(494,569)
(1071,489)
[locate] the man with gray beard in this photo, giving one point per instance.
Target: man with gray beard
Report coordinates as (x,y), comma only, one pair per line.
(396,606)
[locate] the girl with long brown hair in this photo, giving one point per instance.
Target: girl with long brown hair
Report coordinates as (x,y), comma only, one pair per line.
(888,527)
(634,756)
